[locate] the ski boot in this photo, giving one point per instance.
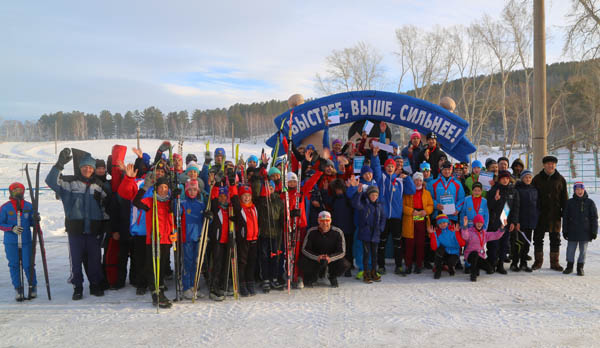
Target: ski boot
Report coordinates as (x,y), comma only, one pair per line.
(188,294)
(348,273)
(216,295)
(514,267)
(367,277)
(250,288)
(408,269)
(140,291)
(33,293)
(96,290)
(77,293)
(398,270)
(523,266)
(333,281)
(418,270)
(161,300)
(19,296)
(266,287)
(500,267)
(277,285)
(381,270)
(243,290)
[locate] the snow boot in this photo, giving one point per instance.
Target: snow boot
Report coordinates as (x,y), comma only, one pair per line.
(539,260)
(398,270)
(374,276)
(524,266)
(500,267)
(514,267)
(277,285)
(418,270)
(459,265)
(381,270)
(250,287)
(367,277)
(188,294)
(96,290)
(333,281)
(77,293)
(33,293)
(266,287)
(408,269)
(554,262)
(580,269)
(473,276)
(438,273)
(243,290)
(348,274)
(569,268)
(451,270)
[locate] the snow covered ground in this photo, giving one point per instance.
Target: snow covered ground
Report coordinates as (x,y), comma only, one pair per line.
(539,309)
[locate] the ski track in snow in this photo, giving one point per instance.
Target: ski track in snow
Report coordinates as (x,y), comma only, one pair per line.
(539,309)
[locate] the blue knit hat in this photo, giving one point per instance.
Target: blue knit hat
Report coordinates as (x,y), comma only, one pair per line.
(526,172)
(220,151)
(146,159)
(310,147)
(223,190)
(393,144)
(366,169)
(253,158)
(273,171)
(476,164)
(88,161)
(425,166)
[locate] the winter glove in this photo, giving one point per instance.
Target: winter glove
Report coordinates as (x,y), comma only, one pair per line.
(165,146)
(36,217)
(219,176)
(295,213)
(208,215)
(17,229)
(207,157)
(98,196)
(149,181)
(63,158)
(231,178)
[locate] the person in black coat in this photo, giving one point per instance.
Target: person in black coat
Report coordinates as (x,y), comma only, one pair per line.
(431,154)
(413,151)
(552,196)
(529,212)
(580,226)
(342,215)
(503,192)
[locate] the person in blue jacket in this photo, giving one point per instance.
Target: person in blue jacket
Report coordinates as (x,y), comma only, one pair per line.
(84,220)
(371,222)
(192,218)
(9,212)
(391,189)
(450,188)
(446,240)
(475,205)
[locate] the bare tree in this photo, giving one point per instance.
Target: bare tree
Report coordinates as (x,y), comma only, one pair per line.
(518,17)
(496,37)
(583,31)
(352,69)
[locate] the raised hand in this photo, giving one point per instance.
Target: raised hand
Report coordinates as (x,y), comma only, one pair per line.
(130,171)
(465,221)
(138,152)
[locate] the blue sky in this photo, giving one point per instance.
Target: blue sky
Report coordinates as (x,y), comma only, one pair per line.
(126,55)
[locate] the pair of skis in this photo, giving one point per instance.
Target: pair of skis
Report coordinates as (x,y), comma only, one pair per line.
(202,248)
(233,264)
(37,233)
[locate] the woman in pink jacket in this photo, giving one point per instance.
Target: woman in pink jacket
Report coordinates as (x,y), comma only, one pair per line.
(476,237)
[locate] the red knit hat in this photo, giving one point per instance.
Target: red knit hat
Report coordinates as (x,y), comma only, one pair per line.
(245,189)
(415,134)
(389,161)
(478,219)
(16,185)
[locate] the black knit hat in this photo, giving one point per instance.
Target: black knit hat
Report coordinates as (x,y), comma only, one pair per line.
(100,163)
(549,159)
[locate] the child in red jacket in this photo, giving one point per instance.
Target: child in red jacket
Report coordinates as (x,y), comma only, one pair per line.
(246,229)
(165,229)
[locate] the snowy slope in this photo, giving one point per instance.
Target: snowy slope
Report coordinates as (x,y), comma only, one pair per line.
(540,309)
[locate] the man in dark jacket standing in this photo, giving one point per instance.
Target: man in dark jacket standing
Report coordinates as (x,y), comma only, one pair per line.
(552,189)
(323,249)
(84,219)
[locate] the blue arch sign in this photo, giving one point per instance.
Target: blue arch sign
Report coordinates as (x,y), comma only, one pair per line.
(392,108)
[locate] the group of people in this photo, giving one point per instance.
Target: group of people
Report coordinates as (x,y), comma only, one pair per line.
(304,216)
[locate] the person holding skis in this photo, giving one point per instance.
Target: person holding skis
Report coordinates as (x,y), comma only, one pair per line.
(161,211)
(84,219)
(270,223)
(218,232)
(192,218)
(16,220)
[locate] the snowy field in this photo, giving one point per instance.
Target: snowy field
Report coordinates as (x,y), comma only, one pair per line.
(539,309)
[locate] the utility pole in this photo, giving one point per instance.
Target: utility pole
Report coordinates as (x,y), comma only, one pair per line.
(539,85)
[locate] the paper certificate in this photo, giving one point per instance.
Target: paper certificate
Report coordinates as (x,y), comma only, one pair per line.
(334,116)
(505,213)
(447,202)
(368,126)
(384,147)
(484,179)
(358,163)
